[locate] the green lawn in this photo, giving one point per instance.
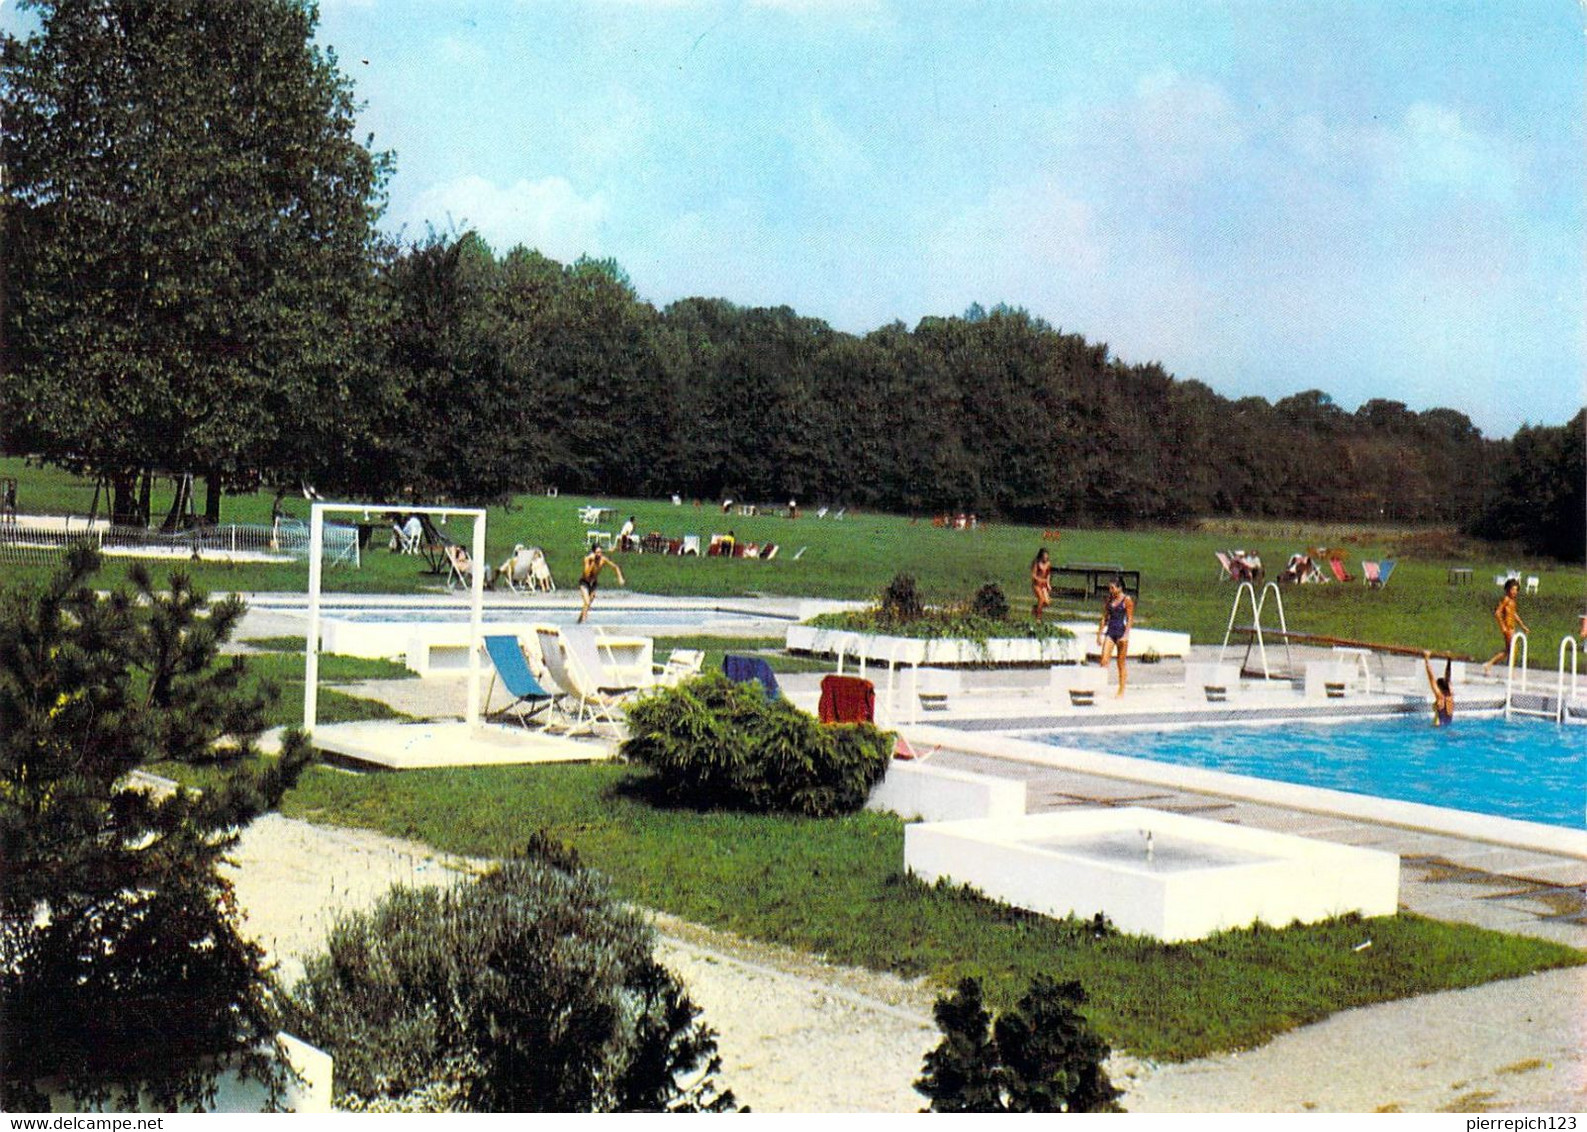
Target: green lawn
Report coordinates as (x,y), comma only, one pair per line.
(856,557)
(837,888)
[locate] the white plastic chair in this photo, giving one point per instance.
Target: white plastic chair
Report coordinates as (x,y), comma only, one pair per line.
(1531,584)
(580,680)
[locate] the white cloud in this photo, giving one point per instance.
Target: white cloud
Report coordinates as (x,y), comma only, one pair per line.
(547,214)
(1184,127)
(1435,147)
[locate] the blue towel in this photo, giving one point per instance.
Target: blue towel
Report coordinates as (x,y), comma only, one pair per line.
(741,669)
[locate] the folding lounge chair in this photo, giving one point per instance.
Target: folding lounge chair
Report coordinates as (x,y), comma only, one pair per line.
(680,665)
(516,571)
(847,699)
(460,568)
(580,678)
(742,669)
(1340,573)
(540,571)
(512,668)
(1225,566)
(1376,575)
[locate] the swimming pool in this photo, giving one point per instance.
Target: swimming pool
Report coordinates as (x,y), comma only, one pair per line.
(625,616)
(1530,770)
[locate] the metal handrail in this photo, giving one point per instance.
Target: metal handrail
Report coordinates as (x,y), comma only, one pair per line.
(1559,685)
(1518,643)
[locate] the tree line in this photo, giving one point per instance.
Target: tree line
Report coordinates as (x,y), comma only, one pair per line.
(195,282)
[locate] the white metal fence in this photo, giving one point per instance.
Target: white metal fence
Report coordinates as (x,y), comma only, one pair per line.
(285,541)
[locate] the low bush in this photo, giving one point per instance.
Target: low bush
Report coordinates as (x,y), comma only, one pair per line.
(530,990)
(990,602)
(716,743)
(1042,1056)
(900,601)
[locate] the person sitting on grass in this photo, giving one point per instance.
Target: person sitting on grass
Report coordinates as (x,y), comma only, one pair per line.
(589,578)
(1443,698)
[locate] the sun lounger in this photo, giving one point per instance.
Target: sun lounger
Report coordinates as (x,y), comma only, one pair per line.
(1376,575)
(680,665)
(1337,566)
(513,669)
(580,677)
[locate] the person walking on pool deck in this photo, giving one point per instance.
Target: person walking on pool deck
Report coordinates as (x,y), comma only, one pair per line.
(1443,698)
(1113,631)
(1508,615)
(1041,582)
(590,576)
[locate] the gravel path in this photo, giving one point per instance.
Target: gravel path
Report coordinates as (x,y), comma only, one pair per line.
(798,1035)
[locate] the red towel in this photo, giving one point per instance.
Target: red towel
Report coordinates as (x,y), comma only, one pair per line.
(847,699)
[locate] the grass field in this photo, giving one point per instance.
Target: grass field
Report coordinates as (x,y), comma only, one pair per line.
(836,887)
(855,558)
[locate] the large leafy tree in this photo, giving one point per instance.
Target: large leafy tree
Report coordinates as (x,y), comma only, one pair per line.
(1538,491)
(191,229)
(121,966)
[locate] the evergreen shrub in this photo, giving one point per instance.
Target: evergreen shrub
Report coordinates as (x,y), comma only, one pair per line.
(1042,1056)
(529,990)
(713,742)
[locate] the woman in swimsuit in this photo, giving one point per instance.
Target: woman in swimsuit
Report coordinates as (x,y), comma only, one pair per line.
(590,576)
(1113,631)
(1041,582)
(1508,615)
(1443,698)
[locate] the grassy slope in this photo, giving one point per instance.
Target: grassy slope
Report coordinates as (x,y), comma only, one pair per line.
(836,887)
(856,557)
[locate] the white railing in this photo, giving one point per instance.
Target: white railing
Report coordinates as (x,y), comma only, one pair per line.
(1256,624)
(1561,700)
(286,540)
(1518,646)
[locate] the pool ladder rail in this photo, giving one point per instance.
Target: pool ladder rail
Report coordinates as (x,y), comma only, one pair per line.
(1559,708)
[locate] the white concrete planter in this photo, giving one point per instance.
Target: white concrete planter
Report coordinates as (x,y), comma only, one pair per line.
(308,1087)
(1164,875)
(939,793)
(877,648)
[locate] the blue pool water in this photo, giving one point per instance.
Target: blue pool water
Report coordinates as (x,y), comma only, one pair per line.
(1527,769)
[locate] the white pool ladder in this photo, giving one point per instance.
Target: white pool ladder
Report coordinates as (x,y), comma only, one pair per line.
(1518,645)
(1256,625)
(1562,701)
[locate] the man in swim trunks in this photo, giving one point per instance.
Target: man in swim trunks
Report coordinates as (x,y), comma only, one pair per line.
(589,577)
(1508,615)
(1113,631)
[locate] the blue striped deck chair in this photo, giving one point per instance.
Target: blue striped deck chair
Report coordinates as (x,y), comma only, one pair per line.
(742,669)
(529,697)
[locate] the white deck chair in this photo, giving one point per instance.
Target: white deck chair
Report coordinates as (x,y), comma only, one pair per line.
(540,570)
(516,570)
(691,544)
(680,665)
(460,567)
(591,704)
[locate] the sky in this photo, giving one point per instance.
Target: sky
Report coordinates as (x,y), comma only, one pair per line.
(1375,198)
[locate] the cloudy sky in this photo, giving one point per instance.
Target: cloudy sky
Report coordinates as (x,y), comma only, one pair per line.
(1377,198)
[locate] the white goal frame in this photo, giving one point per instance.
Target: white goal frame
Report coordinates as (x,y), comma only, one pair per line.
(476,622)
